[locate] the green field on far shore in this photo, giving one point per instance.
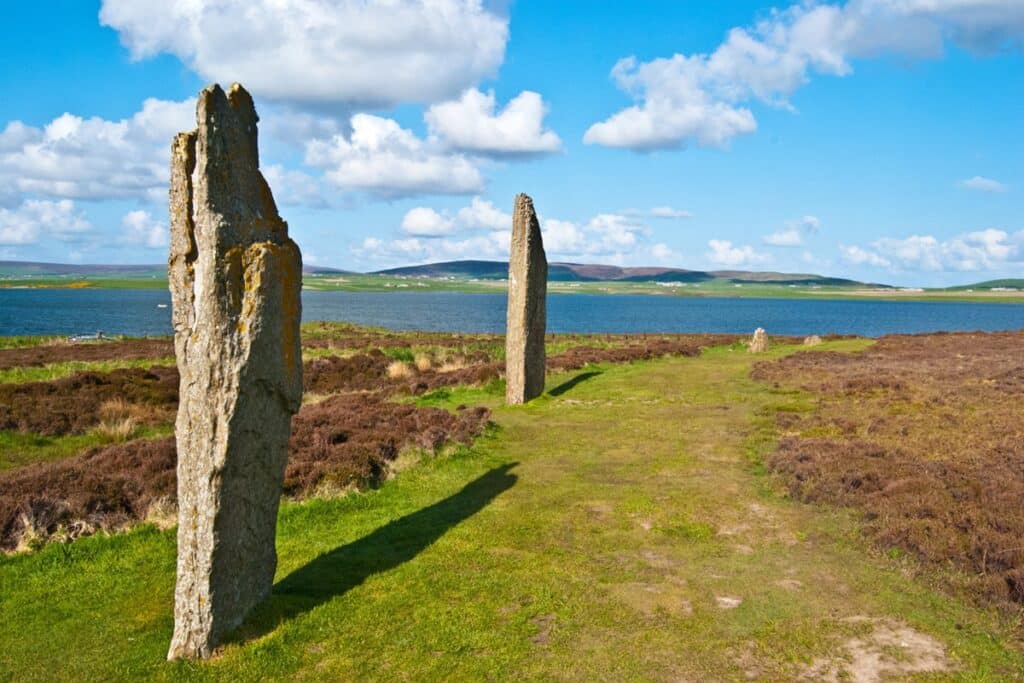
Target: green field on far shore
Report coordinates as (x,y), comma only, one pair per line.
(355,282)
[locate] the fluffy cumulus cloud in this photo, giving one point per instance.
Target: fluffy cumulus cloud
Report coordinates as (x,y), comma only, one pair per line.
(664,254)
(140,228)
(383,159)
(472,123)
(94,158)
(974,251)
(481,230)
(792,235)
(36,220)
(489,245)
(859,256)
(982,184)
(292,187)
(704,97)
(424,221)
(607,235)
(483,214)
(725,253)
(349,53)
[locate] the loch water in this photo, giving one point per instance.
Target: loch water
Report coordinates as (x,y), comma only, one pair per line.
(147,312)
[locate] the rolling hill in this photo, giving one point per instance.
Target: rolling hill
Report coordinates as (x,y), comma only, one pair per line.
(582,272)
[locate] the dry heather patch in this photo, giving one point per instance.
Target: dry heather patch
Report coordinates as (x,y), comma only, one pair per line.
(72,405)
(341,443)
(399,370)
(423,362)
(924,435)
(62,352)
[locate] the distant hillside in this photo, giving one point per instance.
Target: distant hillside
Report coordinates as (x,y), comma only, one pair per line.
(1005,283)
(581,272)
(480,270)
(22,269)
(35,269)
(310,269)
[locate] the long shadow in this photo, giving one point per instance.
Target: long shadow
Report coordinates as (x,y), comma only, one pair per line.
(570,383)
(337,571)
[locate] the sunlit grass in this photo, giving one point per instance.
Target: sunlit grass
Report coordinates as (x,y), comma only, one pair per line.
(45,373)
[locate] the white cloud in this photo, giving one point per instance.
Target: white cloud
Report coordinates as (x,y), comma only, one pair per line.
(674,107)
(702,97)
(858,256)
(37,219)
(563,237)
(722,252)
(974,251)
(370,53)
(805,223)
(292,187)
(662,253)
(790,237)
(472,123)
(483,214)
(669,212)
(425,222)
(142,229)
(388,161)
(94,158)
(490,245)
(605,235)
(982,184)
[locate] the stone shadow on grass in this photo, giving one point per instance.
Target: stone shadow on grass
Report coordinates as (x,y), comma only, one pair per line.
(337,571)
(571,383)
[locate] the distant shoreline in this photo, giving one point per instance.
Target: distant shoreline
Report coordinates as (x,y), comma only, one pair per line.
(712,289)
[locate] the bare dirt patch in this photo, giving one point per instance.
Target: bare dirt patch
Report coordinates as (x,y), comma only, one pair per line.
(890,651)
(924,435)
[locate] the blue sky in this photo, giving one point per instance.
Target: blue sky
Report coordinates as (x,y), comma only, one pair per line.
(875,139)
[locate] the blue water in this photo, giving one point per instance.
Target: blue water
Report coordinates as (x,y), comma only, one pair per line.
(136,312)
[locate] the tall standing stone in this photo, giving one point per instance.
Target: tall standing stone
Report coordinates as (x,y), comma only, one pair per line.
(235,280)
(527,306)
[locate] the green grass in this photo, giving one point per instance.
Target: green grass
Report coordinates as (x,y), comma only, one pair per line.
(18,449)
(25,341)
(588,537)
(44,373)
(710,288)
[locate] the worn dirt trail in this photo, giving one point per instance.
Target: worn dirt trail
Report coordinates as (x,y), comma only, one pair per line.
(616,529)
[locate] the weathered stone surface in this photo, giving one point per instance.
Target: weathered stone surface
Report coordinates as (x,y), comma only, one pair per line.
(527,306)
(235,280)
(759,342)
(813,340)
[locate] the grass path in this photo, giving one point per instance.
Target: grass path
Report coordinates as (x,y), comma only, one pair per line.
(619,530)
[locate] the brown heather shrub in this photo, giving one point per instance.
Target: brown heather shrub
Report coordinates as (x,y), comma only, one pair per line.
(37,356)
(923,434)
(344,441)
(72,405)
(339,440)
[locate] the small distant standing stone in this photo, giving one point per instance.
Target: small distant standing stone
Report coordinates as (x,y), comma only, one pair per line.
(235,280)
(813,340)
(759,342)
(527,306)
